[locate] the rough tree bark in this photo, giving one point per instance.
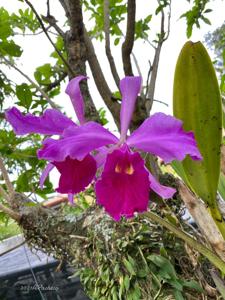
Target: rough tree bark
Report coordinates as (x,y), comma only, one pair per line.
(77,52)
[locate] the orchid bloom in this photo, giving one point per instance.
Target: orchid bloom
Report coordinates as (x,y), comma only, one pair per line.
(75,174)
(123,186)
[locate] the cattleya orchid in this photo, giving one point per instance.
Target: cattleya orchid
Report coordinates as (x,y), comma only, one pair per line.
(123,185)
(75,175)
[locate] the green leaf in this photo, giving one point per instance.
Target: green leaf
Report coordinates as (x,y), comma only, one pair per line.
(24,94)
(158,9)
(192,284)
(10,48)
(129,266)
(178,295)
(206,20)
(23,181)
(179,169)
(189,31)
(148,18)
(5,28)
(43,74)
(197,102)
(207,11)
(135,293)
(126,282)
(116,41)
(167,270)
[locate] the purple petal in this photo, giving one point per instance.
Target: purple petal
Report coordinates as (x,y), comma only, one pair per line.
(101,155)
(75,175)
(164,191)
(129,87)
(45,173)
(163,135)
(77,142)
(73,90)
(71,198)
(51,122)
(124,186)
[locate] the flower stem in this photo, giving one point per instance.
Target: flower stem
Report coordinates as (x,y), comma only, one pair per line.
(212,257)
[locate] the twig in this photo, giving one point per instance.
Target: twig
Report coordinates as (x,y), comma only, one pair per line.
(6,178)
(107,43)
(155,64)
(30,34)
(53,23)
(48,7)
(150,43)
(168,23)
(54,84)
(212,257)
(129,39)
(48,36)
(148,78)
(32,82)
(136,64)
(162,102)
(14,215)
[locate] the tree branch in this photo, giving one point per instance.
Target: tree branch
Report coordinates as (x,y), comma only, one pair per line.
(107,43)
(4,194)
(53,23)
(77,52)
(48,7)
(47,35)
(168,23)
(204,220)
(100,81)
(6,178)
(154,67)
(11,213)
(43,93)
(129,39)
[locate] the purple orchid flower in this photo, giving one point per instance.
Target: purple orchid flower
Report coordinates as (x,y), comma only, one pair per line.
(123,187)
(75,174)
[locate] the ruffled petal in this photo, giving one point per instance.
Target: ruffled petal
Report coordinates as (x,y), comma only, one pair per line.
(162,190)
(51,122)
(163,136)
(73,90)
(129,87)
(45,173)
(124,185)
(77,142)
(75,175)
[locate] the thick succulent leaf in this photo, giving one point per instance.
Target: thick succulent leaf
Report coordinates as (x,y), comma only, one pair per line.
(197,102)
